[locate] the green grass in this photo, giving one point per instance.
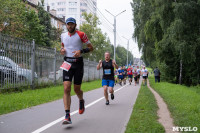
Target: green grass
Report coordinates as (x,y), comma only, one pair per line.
(10,102)
(183,102)
(144,116)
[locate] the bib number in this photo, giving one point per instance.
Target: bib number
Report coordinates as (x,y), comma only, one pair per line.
(107,71)
(65,66)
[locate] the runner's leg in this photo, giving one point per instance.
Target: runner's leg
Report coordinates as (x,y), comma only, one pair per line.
(66,96)
(105,87)
(111,90)
(78,76)
(78,91)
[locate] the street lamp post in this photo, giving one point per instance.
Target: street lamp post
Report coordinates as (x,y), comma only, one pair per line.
(133,54)
(115,28)
(127,48)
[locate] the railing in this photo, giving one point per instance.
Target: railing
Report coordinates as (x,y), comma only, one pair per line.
(24,64)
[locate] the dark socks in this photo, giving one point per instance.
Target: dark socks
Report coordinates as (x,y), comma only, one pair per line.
(67,111)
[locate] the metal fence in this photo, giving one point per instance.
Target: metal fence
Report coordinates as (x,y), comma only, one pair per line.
(24,64)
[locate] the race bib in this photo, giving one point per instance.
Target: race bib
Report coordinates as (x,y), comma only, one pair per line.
(107,71)
(65,66)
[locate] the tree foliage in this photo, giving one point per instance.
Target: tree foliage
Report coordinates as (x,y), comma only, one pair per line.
(45,20)
(101,42)
(19,20)
(167,32)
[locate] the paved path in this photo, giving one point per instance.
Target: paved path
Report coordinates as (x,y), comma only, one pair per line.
(98,118)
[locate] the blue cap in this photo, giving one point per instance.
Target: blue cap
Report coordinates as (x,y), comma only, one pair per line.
(72,20)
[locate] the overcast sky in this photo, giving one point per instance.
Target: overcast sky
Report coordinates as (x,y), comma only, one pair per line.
(124,22)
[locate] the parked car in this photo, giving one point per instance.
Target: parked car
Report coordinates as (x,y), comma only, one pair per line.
(22,74)
(59,75)
(7,75)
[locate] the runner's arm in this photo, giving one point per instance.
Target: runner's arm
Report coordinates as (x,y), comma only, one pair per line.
(99,65)
(86,50)
(114,64)
(62,49)
(89,45)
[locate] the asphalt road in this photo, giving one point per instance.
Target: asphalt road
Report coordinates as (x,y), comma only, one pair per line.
(97,118)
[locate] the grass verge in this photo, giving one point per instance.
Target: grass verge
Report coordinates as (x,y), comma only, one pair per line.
(10,102)
(183,102)
(144,116)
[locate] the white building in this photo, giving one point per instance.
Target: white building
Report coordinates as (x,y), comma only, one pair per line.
(72,8)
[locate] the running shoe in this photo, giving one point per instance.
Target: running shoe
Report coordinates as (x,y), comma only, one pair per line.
(81,106)
(112,96)
(107,102)
(67,119)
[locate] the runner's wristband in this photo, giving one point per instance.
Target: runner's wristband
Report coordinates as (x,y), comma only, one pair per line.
(86,50)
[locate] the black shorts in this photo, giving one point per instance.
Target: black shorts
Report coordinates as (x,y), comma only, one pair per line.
(124,76)
(144,77)
(130,76)
(135,78)
(76,70)
(138,76)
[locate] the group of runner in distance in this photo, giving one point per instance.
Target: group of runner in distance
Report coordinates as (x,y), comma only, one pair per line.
(73,66)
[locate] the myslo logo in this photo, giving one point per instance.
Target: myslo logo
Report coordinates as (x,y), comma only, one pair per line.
(186,129)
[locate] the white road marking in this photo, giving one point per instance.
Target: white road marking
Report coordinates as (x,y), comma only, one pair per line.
(73,113)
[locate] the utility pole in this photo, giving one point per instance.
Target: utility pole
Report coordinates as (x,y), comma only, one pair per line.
(115,28)
(127,48)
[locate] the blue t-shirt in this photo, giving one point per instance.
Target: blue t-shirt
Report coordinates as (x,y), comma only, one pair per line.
(120,71)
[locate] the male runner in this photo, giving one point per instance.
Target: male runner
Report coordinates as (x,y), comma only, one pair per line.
(139,73)
(130,74)
(124,74)
(108,75)
(116,76)
(72,47)
(144,75)
(135,74)
(120,75)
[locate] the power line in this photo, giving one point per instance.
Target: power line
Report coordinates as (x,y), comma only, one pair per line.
(101,13)
(105,22)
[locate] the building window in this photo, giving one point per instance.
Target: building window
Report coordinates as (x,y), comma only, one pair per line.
(72,10)
(52,4)
(61,3)
(83,10)
(72,3)
(83,4)
(61,9)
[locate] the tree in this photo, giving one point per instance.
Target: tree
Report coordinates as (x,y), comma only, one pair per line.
(168,35)
(12,17)
(34,28)
(99,40)
(45,20)
(121,55)
(19,21)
